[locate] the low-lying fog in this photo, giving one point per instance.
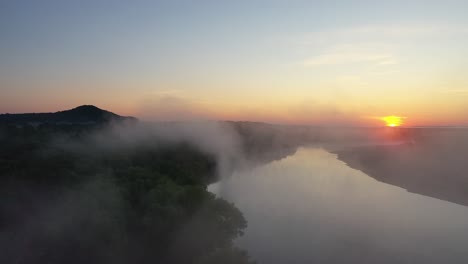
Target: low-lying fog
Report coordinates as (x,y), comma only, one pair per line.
(312,208)
(302,205)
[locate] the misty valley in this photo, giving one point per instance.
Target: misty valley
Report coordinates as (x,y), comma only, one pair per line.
(88,186)
(233,132)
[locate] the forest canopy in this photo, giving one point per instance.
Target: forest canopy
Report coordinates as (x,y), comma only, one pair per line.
(138,203)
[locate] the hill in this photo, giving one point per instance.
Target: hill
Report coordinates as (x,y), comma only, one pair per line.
(85,114)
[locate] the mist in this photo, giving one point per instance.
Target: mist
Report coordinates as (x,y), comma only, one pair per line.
(145,191)
(89,194)
(233,132)
(321,203)
(431,162)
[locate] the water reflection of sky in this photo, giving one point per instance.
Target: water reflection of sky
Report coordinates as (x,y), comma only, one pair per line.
(312,207)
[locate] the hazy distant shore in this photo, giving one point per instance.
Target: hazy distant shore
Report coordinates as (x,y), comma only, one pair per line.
(431,169)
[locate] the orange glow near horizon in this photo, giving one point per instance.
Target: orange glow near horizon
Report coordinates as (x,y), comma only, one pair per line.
(392,121)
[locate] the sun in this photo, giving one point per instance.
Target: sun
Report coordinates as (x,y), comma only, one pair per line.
(393,121)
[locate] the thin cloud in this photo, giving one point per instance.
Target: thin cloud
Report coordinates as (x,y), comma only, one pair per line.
(172,107)
(338,58)
(382,31)
(374,44)
(456,91)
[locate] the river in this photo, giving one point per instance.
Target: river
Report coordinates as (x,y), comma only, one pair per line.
(312,208)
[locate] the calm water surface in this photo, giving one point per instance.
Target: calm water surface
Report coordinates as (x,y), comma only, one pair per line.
(313,208)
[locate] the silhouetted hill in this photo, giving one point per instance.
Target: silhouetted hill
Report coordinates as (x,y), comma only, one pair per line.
(85,114)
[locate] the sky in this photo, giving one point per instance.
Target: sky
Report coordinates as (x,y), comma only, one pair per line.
(277,61)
